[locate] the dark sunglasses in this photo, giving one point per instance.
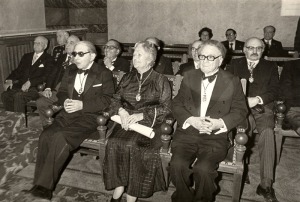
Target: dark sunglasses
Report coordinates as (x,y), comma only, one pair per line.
(80,54)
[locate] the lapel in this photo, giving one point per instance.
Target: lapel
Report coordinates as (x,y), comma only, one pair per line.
(39,60)
(90,78)
(195,83)
(71,79)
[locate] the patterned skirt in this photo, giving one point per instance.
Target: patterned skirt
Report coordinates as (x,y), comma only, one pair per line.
(131,162)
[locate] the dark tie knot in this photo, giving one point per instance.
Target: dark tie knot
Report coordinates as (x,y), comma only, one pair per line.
(85,71)
(210,78)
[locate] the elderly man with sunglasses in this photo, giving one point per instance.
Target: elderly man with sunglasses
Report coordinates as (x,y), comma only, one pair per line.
(112,61)
(209,104)
(263,82)
(48,96)
(85,91)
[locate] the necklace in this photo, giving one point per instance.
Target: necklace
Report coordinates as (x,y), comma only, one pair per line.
(138,96)
(204,92)
(80,91)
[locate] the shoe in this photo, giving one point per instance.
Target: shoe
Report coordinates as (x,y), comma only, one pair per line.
(30,190)
(42,192)
(116,200)
(267,193)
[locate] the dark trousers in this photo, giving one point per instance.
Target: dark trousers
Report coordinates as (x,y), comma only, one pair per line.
(15,99)
(209,151)
(56,144)
(264,123)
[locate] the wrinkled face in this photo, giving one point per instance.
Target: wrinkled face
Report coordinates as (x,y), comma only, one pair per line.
(87,57)
(253,49)
(210,53)
(39,45)
(71,42)
(61,38)
(111,50)
(141,59)
(194,50)
(269,33)
(204,36)
(230,36)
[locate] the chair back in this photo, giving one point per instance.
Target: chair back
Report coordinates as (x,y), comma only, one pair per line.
(175,82)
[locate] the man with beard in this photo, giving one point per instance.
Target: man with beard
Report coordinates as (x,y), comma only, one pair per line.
(262,76)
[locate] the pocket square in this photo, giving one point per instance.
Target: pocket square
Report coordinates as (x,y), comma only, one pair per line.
(97,85)
(41,65)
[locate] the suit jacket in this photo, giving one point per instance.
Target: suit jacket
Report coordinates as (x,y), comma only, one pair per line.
(265,76)
(120,64)
(275,50)
(239,45)
(98,89)
(227,101)
(186,67)
(36,73)
(290,84)
(163,65)
(57,51)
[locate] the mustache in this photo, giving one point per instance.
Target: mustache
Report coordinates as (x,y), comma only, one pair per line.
(254,54)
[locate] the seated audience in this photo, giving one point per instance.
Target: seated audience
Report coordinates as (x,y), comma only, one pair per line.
(21,85)
(85,91)
(132,161)
(112,61)
(273,48)
(232,44)
(193,64)
(290,94)
(163,64)
(202,131)
(54,79)
(61,38)
(205,34)
(262,86)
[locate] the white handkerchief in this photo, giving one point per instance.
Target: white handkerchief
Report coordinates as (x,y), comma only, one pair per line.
(97,85)
(41,65)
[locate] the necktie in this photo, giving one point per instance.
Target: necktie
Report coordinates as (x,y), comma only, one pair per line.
(80,71)
(231,46)
(210,78)
(251,66)
(35,57)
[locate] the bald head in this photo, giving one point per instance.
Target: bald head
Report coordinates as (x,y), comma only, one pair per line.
(61,37)
(40,44)
(71,42)
(254,48)
(155,41)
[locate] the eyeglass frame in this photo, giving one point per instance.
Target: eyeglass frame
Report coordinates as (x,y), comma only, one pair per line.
(206,57)
(110,47)
(80,53)
(251,48)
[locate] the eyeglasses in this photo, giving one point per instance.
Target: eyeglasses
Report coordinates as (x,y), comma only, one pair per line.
(110,47)
(251,48)
(231,34)
(209,58)
(81,54)
(194,49)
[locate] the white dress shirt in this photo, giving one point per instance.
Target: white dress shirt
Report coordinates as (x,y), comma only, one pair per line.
(81,79)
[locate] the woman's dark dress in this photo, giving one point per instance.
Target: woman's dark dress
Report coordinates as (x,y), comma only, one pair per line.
(131,159)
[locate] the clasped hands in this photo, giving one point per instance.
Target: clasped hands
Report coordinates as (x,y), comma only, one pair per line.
(205,124)
(127,120)
(8,84)
(253,101)
(73,105)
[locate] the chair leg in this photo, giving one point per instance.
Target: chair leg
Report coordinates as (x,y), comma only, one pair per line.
(101,158)
(278,143)
(165,166)
(237,186)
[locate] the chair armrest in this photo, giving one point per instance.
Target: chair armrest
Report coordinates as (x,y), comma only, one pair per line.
(102,120)
(280,114)
(166,131)
(239,149)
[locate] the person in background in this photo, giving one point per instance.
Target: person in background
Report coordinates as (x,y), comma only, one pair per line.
(273,48)
(21,85)
(232,44)
(193,64)
(85,92)
(61,38)
(210,103)
(205,34)
(262,89)
(163,64)
(132,162)
(54,80)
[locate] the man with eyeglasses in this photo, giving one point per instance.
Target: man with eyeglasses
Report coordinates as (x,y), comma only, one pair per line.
(232,44)
(21,85)
(112,61)
(209,104)
(262,86)
(85,92)
(192,64)
(48,96)
(273,48)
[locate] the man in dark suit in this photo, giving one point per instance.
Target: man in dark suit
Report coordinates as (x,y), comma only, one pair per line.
(210,103)
(61,38)
(112,61)
(85,91)
(163,64)
(21,85)
(192,64)
(232,44)
(273,48)
(262,76)
(290,94)
(54,79)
